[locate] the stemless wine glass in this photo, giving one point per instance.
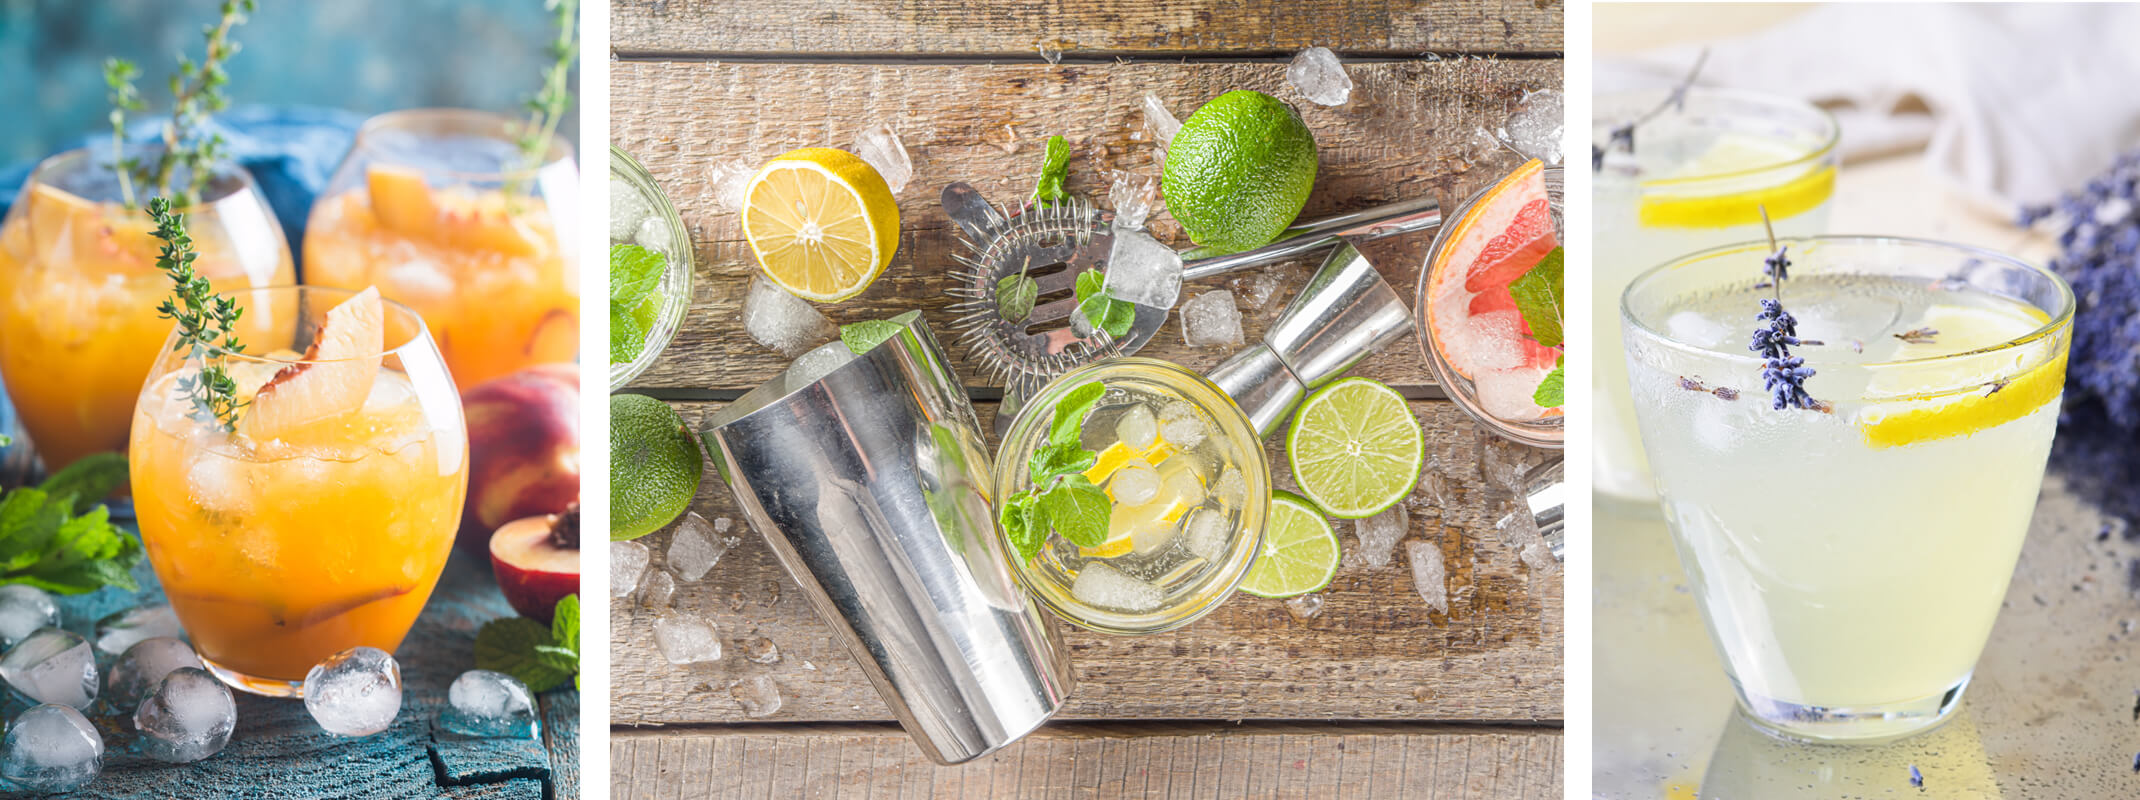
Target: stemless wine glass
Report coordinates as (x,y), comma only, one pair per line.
(441,210)
(321,519)
(79,289)
(1850,558)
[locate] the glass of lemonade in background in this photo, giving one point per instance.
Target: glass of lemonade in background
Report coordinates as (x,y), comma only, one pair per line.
(322,519)
(79,290)
(1188,485)
(641,214)
(1698,177)
(441,211)
(1850,561)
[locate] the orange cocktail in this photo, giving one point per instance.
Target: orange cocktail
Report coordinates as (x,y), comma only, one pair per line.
(320,519)
(79,289)
(439,210)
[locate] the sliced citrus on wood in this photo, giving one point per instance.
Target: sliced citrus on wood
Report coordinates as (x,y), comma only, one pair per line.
(822,223)
(1476,325)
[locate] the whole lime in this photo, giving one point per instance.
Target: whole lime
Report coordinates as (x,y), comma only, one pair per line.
(1239,171)
(654,466)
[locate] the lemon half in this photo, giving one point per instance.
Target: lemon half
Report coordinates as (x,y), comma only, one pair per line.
(821,222)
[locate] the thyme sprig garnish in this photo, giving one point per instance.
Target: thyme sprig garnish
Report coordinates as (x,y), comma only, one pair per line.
(1783,374)
(1623,136)
(204,320)
(547,107)
(196,93)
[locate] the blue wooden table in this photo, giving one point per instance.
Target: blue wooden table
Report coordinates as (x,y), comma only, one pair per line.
(279,753)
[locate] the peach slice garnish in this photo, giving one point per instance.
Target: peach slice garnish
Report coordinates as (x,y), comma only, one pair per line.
(334,379)
(402,201)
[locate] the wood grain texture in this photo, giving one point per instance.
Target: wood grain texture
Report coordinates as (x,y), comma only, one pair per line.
(1412,129)
(1158,760)
(799,29)
(1375,652)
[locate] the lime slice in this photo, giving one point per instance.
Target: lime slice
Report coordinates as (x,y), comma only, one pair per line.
(1355,448)
(1299,554)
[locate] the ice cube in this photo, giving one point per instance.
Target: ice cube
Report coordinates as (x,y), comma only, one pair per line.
(1141,270)
(758,695)
(1536,128)
(1098,584)
(1267,291)
(1134,484)
(760,650)
(879,145)
(51,748)
(1378,535)
(219,483)
(142,668)
(1317,75)
(1211,320)
(1537,557)
(627,207)
(1159,120)
(686,639)
(1433,485)
(1131,195)
(1697,329)
(1510,394)
(1136,428)
(693,549)
(23,610)
(627,561)
(1182,424)
(1305,607)
(1428,574)
(52,665)
(188,718)
(486,704)
(731,183)
(356,692)
(1208,532)
(658,590)
(653,234)
(1052,55)
(1153,536)
(721,525)
(1492,340)
(818,363)
(122,629)
(1230,488)
(782,322)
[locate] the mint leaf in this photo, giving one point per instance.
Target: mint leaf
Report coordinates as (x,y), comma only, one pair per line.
(1059,459)
(565,623)
(510,646)
(1541,299)
(1104,312)
(1054,169)
(626,336)
(861,337)
(1551,390)
(1077,510)
(1068,427)
(1019,526)
(634,273)
(44,544)
(88,480)
(1015,295)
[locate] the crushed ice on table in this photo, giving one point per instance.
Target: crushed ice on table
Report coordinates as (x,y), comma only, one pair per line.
(1429,575)
(1207,534)
(658,590)
(52,665)
(489,705)
(1098,584)
(782,322)
(1539,558)
(1131,196)
(627,561)
(1180,423)
(653,234)
(731,183)
(686,639)
(51,748)
(721,525)
(1378,536)
(122,629)
(758,695)
(1211,320)
(818,363)
(1318,76)
(880,146)
(356,692)
(1265,292)
(1537,126)
(1137,427)
(627,208)
(759,650)
(1433,485)
(694,549)
(188,718)
(24,609)
(1305,607)
(1141,270)
(1159,120)
(137,673)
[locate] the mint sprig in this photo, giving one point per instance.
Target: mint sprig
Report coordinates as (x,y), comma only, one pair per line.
(634,275)
(1541,297)
(1054,170)
(1104,312)
(1062,499)
(1552,391)
(543,657)
(55,537)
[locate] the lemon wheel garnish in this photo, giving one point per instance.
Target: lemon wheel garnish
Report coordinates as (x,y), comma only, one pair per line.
(1900,422)
(822,223)
(1799,195)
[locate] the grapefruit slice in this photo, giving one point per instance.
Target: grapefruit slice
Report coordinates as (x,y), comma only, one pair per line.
(1473,317)
(333,380)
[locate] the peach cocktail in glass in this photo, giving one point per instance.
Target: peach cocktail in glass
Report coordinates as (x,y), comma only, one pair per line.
(79,290)
(440,210)
(318,520)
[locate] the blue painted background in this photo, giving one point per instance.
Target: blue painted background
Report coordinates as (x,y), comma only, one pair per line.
(366,56)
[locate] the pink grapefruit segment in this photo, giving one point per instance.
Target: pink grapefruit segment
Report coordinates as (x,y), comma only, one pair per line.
(335,377)
(1474,320)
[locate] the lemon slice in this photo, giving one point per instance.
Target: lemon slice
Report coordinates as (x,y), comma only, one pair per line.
(1938,403)
(822,223)
(1663,209)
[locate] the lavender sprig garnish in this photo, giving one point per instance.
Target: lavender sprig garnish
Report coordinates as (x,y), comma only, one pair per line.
(1784,375)
(1622,136)
(1918,335)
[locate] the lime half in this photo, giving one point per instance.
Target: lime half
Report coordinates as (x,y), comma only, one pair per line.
(1300,551)
(1355,448)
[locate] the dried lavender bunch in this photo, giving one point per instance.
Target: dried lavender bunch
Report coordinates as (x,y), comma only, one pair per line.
(1622,137)
(1784,375)
(2099,254)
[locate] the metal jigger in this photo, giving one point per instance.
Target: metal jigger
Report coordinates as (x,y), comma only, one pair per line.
(871,485)
(1344,313)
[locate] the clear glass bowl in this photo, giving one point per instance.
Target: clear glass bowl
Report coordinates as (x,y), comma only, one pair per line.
(626,173)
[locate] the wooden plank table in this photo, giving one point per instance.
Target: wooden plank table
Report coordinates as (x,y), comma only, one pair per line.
(1377,692)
